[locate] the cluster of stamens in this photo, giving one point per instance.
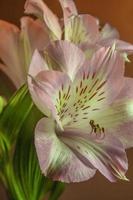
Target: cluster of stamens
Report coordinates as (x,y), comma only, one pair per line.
(82,104)
(97,129)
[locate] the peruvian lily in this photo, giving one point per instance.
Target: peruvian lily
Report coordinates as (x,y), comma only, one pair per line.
(89,109)
(83,30)
(17,46)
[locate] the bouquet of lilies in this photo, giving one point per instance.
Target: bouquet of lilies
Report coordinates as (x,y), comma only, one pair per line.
(72,112)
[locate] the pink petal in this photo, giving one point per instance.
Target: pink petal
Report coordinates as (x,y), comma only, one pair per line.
(125,98)
(124,46)
(36,33)
(38,64)
(56,160)
(82,28)
(10,51)
(108,32)
(106,69)
(121,46)
(117,118)
(127,90)
(102,39)
(107,155)
(40,9)
(44,89)
(67,56)
(69,8)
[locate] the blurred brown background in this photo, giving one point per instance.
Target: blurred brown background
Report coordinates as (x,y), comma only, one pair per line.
(119,13)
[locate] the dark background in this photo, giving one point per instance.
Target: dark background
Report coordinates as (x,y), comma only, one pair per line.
(118,13)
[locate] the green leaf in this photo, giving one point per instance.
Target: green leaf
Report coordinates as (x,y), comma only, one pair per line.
(20,170)
(2,103)
(56,191)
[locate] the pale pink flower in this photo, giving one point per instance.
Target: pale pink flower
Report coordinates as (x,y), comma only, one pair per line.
(17,46)
(81,29)
(90,112)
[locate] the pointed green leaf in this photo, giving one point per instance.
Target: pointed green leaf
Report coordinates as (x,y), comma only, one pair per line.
(56,191)
(20,170)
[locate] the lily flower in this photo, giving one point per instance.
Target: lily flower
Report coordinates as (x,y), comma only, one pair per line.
(89,107)
(17,47)
(82,29)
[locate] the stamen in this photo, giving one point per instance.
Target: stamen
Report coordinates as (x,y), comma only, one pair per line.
(97,130)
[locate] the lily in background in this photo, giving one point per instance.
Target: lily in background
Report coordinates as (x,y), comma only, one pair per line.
(17,46)
(83,30)
(89,112)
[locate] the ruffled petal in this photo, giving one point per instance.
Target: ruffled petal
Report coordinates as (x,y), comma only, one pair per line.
(10,35)
(82,28)
(40,9)
(46,88)
(56,160)
(65,56)
(107,155)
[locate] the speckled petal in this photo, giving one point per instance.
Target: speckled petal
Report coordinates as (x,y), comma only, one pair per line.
(56,159)
(107,155)
(46,88)
(117,118)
